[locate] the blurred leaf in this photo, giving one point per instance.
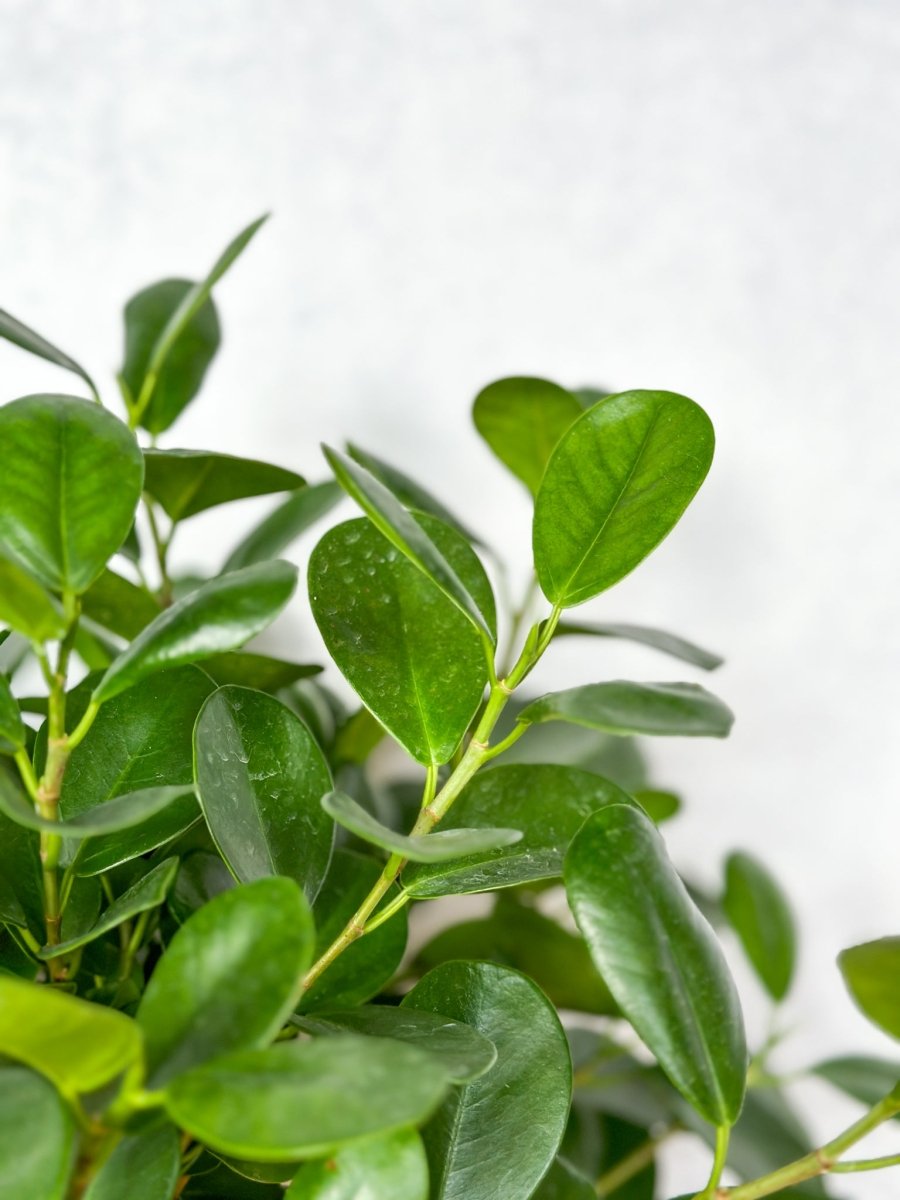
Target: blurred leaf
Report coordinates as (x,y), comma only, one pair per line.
(659,806)
(256,671)
(563,1182)
(657,639)
(202,876)
(12,730)
(118,604)
(25,606)
(622,707)
(37,1138)
(861,1076)
(284,525)
(389,1167)
(144,1166)
(187,482)
(761,916)
(20,335)
(522,420)
(872,975)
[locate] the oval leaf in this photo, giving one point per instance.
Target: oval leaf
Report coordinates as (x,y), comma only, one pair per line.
(435,847)
(145,1166)
(615,486)
(37,1138)
(761,916)
(260,777)
(221,615)
(657,639)
(60,516)
(304,1099)
(283,526)
(229,977)
(625,708)
(522,420)
(187,482)
(410,655)
(659,958)
(391,1167)
(498,1135)
(25,606)
(872,975)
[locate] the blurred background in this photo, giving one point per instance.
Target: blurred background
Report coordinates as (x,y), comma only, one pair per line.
(700,197)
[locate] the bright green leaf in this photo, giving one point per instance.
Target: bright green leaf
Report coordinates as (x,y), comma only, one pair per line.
(522,420)
(625,708)
(37,1138)
(12,729)
(283,526)
(872,974)
(659,806)
(390,1167)
(615,486)
(20,335)
(761,916)
(187,482)
(144,1166)
(25,606)
(657,639)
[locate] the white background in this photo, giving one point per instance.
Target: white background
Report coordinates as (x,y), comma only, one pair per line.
(698,196)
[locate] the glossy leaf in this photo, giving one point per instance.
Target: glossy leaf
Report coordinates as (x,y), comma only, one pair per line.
(219,616)
(625,708)
(615,486)
(118,604)
(37,1138)
(147,893)
(19,334)
(12,730)
(60,518)
(363,968)
(498,1135)
(257,671)
(872,974)
(260,778)
(144,1166)
(390,1167)
(112,816)
(659,958)
(79,1046)
(442,846)
(548,803)
(522,420)
(228,978)
(464,1054)
(280,528)
(20,870)
(25,605)
(861,1076)
(760,914)
(202,876)
(304,1099)
(408,534)
(187,482)
(657,639)
(414,660)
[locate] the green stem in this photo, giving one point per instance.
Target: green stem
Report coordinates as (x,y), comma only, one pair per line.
(723,1137)
(867,1164)
(161,545)
(399,901)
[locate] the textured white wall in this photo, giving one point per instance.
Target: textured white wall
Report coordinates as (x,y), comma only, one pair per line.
(698,196)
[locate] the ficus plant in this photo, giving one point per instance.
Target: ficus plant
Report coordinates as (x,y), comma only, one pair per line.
(209,861)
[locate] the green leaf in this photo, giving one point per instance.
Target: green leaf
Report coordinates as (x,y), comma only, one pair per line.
(187,482)
(861,1076)
(615,486)
(408,534)
(366,965)
(391,1167)
(20,335)
(219,616)
(549,803)
(25,606)
(659,806)
(563,1182)
(69,488)
(872,974)
(304,1099)
(257,671)
(147,893)
(761,916)
(20,870)
(113,815)
(260,777)
(463,1053)
(79,1046)
(624,708)
(442,846)
(411,656)
(283,526)
(202,876)
(12,729)
(228,979)
(498,1135)
(37,1138)
(658,639)
(144,1166)
(119,605)
(659,958)
(212,1180)
(522,420)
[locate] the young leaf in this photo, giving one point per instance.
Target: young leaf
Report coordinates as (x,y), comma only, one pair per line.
(363,968)
(25,606)
(260,777)
(406,649)
(761,916)
(464,1053)
(12,729)
(522,420)
(615,486)
(861,1076)
(658,639)
(228,979)
(305,1099)
(625,708)
(119,814)
(147,893)
(37,1138)
(219,616)
(442,846)
(872,975)
(187,482)
(659,958)
(548,803)
(20,335)
(79,1046)
(407,533)
(60,516)
(498,1135)
(390,1167)
(143,1166)
(283,526)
